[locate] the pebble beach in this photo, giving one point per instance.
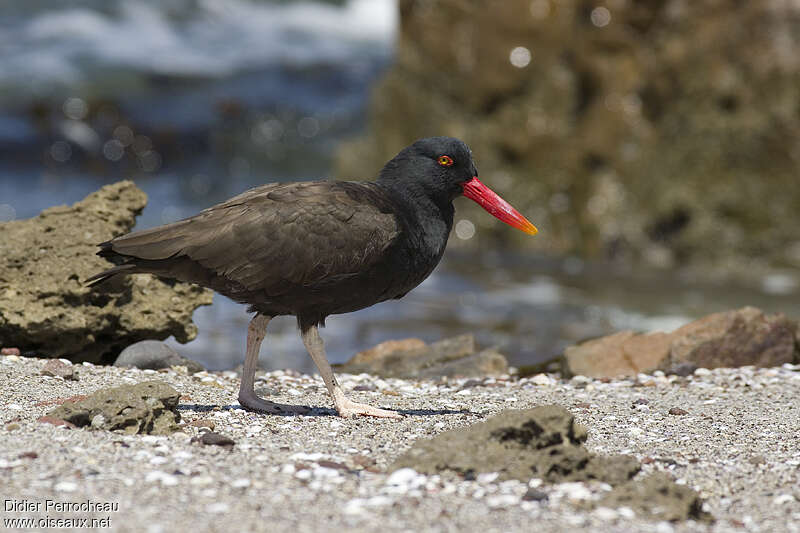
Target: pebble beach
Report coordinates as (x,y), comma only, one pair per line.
(730,434)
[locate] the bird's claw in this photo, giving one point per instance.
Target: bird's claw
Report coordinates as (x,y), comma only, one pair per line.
(254,403)
(349,409)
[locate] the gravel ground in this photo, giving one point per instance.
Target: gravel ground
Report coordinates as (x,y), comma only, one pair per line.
(737,444)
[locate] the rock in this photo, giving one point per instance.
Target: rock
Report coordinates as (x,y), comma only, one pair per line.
(45,306)
(384,349)
(10,351)
(614,133)
(148,407)
(412,358)
(741,337)
(209,438)
(621,354)
(681,369)
(657,497)
(535,495)
(155,355)
(541,442)
(203,423)
(57,367)
(47,419)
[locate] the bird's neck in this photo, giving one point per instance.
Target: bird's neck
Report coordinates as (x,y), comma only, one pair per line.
(421,208)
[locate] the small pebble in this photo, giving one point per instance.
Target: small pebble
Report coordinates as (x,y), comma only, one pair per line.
(66,486)
(209,438)
(202,423)
(218,507)
(535,495)
(606,514)
(542,380)
(678,411)
(501,501)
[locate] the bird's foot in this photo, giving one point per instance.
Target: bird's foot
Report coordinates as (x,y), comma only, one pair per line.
(254,403)
(348,408)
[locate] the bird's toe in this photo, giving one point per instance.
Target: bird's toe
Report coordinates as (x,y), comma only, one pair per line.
(351,409)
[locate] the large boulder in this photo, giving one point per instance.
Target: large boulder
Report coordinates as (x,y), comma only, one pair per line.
(735,338)
(46,308)
(657,131)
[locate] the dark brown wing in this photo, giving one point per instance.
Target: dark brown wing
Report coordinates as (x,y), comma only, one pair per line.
(302,233)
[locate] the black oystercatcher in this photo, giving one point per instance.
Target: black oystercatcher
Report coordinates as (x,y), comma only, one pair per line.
(318,248)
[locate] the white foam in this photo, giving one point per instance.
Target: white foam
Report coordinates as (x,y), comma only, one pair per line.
(208,38)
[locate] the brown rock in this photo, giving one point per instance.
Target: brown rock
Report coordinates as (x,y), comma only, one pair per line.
(45,306)
(412,358)
(677,411)
(202,423)
(741,337)
(10,351)
(58,368)
(209,438)
(622,354)
(47,419)
(384,349)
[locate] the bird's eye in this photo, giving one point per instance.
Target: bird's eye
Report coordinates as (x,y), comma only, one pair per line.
(445,160)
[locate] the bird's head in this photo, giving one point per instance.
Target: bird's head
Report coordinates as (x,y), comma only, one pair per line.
(442,169)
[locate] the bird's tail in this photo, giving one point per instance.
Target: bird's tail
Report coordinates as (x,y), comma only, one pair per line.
(107,251)
(110,273)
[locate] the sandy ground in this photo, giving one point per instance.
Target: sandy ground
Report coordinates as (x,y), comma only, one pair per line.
(738,445)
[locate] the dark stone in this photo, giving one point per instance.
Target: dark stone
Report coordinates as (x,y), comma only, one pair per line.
(678,411)
(148,407)
(683,370)
(534,495)
(542,442)
(210,438)
(45,306)
(155,355)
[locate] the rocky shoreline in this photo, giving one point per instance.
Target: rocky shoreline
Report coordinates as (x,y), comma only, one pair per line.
(728,434)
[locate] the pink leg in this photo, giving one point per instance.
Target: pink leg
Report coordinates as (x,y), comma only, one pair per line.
(346,408)
(247,395)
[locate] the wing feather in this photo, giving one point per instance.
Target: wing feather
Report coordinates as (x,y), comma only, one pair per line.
(301,233)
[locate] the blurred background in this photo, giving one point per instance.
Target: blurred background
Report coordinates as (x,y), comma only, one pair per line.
(654,143)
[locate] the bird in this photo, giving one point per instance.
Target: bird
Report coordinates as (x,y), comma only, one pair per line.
(317,248)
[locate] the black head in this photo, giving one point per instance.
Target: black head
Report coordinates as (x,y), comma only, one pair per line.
(437,167)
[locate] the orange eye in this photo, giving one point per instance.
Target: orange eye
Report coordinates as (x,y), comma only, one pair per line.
(445,160)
